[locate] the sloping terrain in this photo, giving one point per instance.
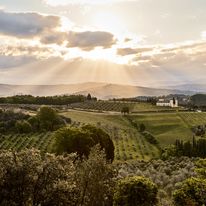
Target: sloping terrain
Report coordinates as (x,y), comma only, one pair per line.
(100,90)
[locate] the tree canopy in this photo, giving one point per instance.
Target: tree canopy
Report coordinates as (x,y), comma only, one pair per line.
(133,191)
(81,140)
(28,178)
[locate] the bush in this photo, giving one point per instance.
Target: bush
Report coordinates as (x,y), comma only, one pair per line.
(150,138)
(135,191)
(142,127)
(125,110)
(192,192)
(48,119)
(23,127)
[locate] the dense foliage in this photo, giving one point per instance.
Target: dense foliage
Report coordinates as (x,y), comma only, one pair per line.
(165,174)
(196,148)
(45,120)
(44,100)
(27,178)
(133,191)
(198,100)
(81,140)
(193,190)
(125,110)
(9,118)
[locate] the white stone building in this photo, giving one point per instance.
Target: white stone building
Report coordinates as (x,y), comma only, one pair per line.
(167,103)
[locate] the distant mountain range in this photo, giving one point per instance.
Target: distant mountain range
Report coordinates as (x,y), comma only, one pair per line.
(197,88)
(100,90)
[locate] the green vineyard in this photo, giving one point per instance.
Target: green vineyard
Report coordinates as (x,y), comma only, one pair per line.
(42,141)
(129,143)
(102,105)
(117,106)
(194,119)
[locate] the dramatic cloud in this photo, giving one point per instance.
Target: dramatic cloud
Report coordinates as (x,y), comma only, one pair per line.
(47,29)
(26,25)
(67,2)
(185,56)
(89,40)
(54,38)
(130,51)
(26,50)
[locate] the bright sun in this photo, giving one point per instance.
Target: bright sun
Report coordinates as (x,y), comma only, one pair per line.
(109,22)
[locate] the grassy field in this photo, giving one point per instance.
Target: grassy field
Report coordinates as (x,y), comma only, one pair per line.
(129,142)
(166,127)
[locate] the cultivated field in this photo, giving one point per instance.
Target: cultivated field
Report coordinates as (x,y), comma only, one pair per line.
(117,106)
(193,119)
(128,141)
(18,142)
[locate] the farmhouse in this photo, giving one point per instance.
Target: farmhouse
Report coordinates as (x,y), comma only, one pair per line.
(167,102)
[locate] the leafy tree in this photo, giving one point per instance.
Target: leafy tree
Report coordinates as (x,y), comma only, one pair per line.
(201,168)
(89,97)
(27,178)
(192,192)
(35,123)
(135,191)
(125,110)
(71,140)
(49,119)
(82,140)
(48,100)
(95,179)
(23,126)
(101,137)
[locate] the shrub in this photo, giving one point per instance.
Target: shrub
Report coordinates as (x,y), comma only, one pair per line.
(135,191)
(192,192)
(142,127)
(23,127)
(48,119)
(150,138)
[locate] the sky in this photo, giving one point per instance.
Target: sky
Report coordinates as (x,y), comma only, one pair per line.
(136,42)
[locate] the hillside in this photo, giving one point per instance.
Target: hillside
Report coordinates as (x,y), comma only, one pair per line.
(100,90)
(198,88)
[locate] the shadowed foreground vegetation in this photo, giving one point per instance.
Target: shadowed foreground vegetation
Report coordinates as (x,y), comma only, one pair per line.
(30,178)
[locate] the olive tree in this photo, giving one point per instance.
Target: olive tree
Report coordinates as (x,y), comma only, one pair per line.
(135,191)
(28,178)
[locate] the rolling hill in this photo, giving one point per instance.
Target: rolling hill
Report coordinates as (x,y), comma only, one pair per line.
(100,90)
